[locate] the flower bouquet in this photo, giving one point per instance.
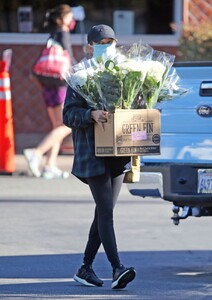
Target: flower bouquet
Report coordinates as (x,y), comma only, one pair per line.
(133,78)
(120,81)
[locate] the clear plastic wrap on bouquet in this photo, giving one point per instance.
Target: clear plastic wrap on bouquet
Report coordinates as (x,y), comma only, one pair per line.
(132,75)
(172,87)
(82,79)
(157,70)
(138,51)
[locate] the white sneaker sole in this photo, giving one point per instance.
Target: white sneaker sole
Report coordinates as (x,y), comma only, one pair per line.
(83,281)
(124,279)
(49,175)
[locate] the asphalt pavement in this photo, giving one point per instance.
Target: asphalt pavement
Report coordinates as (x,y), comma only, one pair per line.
(44,226)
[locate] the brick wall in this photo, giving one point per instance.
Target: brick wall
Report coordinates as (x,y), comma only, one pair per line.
(196,11)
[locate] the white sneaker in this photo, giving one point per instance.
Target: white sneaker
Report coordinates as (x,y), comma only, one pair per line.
(33,161)
(54,172)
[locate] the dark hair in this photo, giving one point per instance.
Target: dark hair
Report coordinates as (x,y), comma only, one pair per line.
(53,17)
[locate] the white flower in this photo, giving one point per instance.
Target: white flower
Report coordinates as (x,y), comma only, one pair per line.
(79,78)
(90,72)
(134,65)
(154,69)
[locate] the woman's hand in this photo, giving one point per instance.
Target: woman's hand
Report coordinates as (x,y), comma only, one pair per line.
(100,117)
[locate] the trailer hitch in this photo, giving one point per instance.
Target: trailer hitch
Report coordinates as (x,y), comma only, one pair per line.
(186,211)
(196,211)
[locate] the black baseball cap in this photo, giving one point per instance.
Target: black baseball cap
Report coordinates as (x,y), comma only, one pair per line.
(100,32)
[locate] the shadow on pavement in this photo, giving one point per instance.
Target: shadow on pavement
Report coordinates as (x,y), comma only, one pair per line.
(160,275)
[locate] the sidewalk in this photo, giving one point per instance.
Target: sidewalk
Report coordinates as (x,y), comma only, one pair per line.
(22,186)
(64,163)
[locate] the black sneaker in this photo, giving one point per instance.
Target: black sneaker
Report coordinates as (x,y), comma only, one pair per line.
(86,276)
(122,276)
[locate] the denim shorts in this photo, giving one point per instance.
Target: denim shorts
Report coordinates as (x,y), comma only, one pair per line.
(54,96)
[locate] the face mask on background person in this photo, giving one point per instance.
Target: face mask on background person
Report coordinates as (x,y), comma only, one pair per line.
(72,24)
(107,50)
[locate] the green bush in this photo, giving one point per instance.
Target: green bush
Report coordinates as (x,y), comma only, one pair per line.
(196,42)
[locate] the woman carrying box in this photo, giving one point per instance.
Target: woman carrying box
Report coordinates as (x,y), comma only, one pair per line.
(104,175)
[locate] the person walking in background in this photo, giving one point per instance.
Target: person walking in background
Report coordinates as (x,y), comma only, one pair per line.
(59,21)
(104,175)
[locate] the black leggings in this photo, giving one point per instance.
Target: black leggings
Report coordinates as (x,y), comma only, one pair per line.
(105,190)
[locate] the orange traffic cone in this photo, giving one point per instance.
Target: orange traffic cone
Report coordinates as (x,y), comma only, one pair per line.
(7,145)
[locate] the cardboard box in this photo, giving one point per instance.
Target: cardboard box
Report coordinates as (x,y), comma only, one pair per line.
(129,132)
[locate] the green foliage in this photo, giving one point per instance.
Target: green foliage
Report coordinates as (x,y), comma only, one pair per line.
(131,86)
(196,42)
(89,91)
(111,89)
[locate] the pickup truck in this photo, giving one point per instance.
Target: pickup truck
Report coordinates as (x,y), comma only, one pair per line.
(182,173)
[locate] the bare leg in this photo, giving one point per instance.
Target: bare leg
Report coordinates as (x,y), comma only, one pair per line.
(50,146)
(55,115)
(51,143)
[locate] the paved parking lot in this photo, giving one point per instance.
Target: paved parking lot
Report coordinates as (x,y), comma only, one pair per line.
(44,226)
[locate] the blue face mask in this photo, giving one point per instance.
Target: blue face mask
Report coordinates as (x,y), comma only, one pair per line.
(104,50)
